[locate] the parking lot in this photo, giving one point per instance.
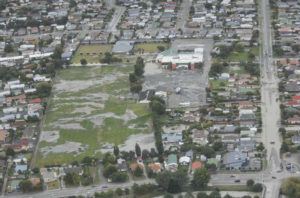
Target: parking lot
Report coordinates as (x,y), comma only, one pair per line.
(192,83)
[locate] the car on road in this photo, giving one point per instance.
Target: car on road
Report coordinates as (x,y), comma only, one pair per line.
(273,177)
(237,181)
(272,142)
(104,187)
(232,176)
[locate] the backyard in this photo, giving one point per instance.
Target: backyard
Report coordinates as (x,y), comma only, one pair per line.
(89,110)
(150,47)
(92,53)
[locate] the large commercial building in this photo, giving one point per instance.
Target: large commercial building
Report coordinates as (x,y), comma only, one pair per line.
(183,57)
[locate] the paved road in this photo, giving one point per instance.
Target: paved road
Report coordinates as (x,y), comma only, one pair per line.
(112,26)
(84,190)
(183,14)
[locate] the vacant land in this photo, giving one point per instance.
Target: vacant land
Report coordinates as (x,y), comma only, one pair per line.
(149,47)
(90,108)
(92,53)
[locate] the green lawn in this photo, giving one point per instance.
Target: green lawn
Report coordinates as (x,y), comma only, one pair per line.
(149,47)
(242,56)
(218,84)
(92,53)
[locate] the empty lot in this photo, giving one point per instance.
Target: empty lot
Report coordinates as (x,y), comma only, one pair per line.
(89,108)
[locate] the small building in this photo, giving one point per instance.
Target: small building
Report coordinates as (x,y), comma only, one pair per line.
(155,167)
(196,165)
(171,163)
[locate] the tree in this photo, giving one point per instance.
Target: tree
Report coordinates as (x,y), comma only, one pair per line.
(200,179)
(202,195)
(119,177)
(133,78)
(158,105)
(168,195)
(83,62)
(72,4)
(161,48)
(250,182)
(215,194)
(138,150)
(284,147)
(145,154)
(107,58)
(43,89)
(260,147)
(172,182)
(8,48)
(135,87)
(257,187)
(109,170)
(88,160)
(218,146)
(116,150)
(72,179)
(26,186)
(139,67)
(138,172)
(10,152)
(108,159)
(119,191)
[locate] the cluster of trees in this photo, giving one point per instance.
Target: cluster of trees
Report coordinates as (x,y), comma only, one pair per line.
(112,194)
(255,187)
(109,58)
(110,170)
(27,186)
(291,187)
(43,89)
(72,179)
(251,68)
(144,189)
(217,68)
(176,182)
(8,73)
(135,78)
(172,182)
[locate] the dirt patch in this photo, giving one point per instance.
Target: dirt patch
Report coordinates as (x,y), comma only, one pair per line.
(75,126)
(68,147)
(78,85)
(87,110)
(49,136)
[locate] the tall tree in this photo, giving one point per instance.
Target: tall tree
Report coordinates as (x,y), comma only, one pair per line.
(138,150)
(116,150)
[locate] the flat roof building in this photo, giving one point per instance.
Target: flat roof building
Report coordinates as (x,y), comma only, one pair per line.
(182,57)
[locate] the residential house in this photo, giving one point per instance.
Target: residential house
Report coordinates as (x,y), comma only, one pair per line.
(155,167)
(196,165)
(49,175)
(199,136)
(171,163)
(184,160)
(121,165)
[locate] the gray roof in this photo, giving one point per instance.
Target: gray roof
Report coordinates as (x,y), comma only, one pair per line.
(123,47)
(235,159)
